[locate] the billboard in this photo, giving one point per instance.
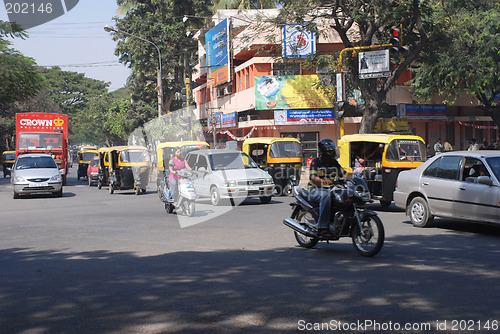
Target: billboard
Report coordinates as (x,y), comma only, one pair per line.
(374,64)
(422,111)
(217,46)
(297,42)
(291,92)
(296,117)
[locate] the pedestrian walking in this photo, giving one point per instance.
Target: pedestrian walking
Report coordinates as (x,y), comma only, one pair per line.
(438,147)
(447,146)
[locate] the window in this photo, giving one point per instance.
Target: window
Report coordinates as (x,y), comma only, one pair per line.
(432,169)
(448,167)
(286,69)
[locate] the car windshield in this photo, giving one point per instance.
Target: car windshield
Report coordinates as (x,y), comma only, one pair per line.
(9,156)
(87,156)
(134,156)
(494,164)
(231,160)
(285,149)
(40,141)
(406,150)
(35,162)
(95,162)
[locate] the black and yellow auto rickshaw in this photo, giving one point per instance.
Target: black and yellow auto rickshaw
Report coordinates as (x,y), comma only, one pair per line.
(102,178)
(383,157)
(280,157)
(129,168)
(8,159)
(165,152)
(85,156)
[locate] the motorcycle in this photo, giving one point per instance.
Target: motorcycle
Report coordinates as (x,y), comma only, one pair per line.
(186,194)
(350,218)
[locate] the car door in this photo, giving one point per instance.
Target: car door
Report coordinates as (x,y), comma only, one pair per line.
(201,180)
(476,201)
(439,182)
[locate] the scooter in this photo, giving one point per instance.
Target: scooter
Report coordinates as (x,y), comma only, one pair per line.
(186,194)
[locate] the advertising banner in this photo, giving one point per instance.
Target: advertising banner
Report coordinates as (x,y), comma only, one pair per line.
(422,111)
(294,117)
(217,46)
(229,120)
(391,125)
(297,42)
(374,64)
(290,92)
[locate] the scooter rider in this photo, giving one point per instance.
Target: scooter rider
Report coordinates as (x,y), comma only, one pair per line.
(324,171)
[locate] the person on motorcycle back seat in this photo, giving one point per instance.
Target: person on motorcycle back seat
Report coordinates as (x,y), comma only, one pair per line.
(175,164)
(324,171)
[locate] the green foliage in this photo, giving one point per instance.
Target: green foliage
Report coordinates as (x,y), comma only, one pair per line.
(159,22)
(19,77)
(71,90)
(465,58)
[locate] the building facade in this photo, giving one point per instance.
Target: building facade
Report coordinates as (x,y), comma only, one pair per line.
(245,88)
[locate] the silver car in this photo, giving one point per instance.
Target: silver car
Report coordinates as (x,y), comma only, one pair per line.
(459,185)
(226,174)
(36,173)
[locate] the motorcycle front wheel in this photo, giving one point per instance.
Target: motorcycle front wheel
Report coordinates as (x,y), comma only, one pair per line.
(188,208)
(369,240)
(305,218)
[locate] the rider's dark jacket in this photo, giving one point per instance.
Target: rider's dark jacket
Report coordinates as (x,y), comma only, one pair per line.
(325,170)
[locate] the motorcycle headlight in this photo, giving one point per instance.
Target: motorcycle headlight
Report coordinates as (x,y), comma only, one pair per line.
(363,194)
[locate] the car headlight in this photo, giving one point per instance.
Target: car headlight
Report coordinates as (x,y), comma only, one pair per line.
(268,181)
(230,183)
(55,178)
(19,179)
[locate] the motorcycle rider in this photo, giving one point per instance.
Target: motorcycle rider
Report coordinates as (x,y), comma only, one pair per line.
(323,172)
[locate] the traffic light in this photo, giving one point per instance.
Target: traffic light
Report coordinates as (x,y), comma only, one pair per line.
(396,39)
(186,125)
(184,97)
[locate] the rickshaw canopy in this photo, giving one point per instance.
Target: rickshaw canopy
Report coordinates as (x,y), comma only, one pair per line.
(170,147)
(402,151)
(275,149)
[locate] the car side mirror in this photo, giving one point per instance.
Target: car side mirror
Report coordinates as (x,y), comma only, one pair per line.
(484,180)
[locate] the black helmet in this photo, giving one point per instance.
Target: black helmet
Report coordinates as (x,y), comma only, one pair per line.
(325,146)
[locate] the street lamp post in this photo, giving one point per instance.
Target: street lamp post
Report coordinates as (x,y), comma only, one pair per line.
(158,76)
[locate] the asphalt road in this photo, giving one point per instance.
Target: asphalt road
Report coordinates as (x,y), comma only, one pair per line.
(92,262)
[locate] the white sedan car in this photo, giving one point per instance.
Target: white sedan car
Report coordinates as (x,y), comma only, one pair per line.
(226,174)
(461,185)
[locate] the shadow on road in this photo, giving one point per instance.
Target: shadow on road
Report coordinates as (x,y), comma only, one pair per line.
(413,279)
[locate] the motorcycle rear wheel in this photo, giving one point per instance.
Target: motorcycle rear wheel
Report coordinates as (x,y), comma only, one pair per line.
(369,241)
(303,240)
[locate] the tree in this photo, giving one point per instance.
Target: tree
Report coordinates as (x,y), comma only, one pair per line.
(161,22)
(71,90)
(19,80)
(466,58)
(365,23)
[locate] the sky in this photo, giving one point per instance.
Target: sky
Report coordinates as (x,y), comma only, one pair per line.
(76,41)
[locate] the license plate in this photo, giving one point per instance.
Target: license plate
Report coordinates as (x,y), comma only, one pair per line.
(253,188)
(38,184)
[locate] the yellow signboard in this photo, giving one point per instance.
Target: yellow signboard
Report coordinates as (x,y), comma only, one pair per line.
(391,125)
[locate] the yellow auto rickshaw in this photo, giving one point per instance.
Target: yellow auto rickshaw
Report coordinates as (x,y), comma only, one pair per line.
(165,151)
(280,157)
(85,156)
(102,178)
(379,158)
(129,168)
(8,159)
